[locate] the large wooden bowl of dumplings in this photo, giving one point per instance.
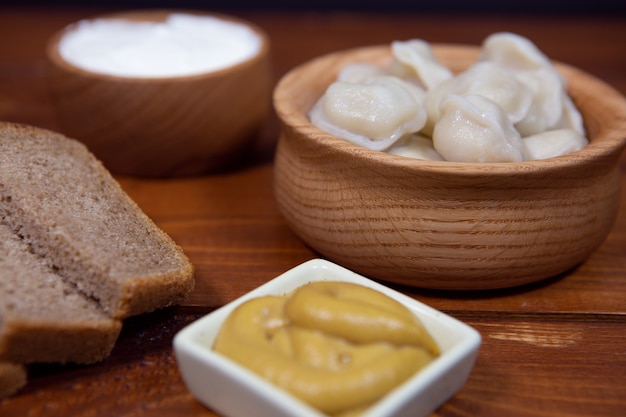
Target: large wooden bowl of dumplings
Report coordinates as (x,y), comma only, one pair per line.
(167,126)
(446,225)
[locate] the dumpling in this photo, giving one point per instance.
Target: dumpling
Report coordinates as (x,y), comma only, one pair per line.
(374,114)
(547,105)
(571,117)
(488,80)
(473,128)
(514,52)
(415,59)
(416,146)
(554,143)
(360,72)
(531,67)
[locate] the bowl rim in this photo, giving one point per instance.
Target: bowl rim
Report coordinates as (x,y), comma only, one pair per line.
(611,142)
(458,341)
(54,57)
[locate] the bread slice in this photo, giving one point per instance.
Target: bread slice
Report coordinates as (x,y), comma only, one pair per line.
(58,198)
(12,378)
(42,317)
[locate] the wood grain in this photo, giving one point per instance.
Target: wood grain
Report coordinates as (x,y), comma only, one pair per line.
(553,367)
(160,127)
(554,348)
(445,225)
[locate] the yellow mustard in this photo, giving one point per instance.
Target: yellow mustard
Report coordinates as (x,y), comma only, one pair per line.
(337,346)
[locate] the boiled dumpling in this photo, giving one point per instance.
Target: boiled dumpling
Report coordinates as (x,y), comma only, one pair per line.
(360,72)
(374,114)
(488,80)
(531,67)
(554,143)
(415,59)
(513,51)
(416,146)
(571,117)
(473,128)
(547,106)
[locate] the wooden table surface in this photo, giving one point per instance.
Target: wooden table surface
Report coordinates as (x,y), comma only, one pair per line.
(554,348)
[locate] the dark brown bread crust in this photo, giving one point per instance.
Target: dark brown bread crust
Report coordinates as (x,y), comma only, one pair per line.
(12,378)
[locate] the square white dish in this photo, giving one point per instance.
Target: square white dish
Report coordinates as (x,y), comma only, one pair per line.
(232,391)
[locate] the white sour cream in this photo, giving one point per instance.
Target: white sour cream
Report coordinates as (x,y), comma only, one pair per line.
(182,45)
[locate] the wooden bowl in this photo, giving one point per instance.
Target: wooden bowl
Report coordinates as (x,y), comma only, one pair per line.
(170,126)
(446,225)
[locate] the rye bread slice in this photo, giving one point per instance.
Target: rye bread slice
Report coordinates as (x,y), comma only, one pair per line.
(58,198)
(42,317)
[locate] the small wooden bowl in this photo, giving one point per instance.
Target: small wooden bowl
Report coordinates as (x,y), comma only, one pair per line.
(158,127)
(446,225)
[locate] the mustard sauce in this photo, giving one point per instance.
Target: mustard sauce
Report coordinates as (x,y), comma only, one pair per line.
(337,346)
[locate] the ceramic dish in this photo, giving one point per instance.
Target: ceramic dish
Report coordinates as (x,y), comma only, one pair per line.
(231,390)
